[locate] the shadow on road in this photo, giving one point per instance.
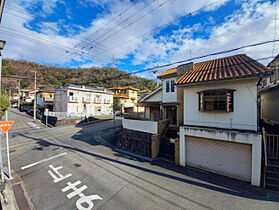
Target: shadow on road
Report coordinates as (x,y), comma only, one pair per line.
(241,189)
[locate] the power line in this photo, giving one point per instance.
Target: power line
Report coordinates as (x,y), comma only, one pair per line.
(196,58)
(129,74)
(121,29)
(47,23)
(116,26)
(109,22)
(44,80)
(166,24)
(47,42)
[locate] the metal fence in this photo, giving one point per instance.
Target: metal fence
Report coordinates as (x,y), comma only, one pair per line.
(272,145)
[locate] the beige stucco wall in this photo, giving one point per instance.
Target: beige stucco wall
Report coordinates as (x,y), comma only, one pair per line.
(244,115)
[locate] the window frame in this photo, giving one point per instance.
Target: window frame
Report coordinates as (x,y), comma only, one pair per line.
(213,95)
(172,86)
(167,86)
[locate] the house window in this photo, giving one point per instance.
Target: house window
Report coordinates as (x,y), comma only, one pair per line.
(167,86)
(172,85)
(216,100)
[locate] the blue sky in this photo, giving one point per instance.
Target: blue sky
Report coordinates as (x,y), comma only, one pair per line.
(89,33)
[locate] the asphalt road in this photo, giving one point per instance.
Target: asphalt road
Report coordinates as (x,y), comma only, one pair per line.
(68,168)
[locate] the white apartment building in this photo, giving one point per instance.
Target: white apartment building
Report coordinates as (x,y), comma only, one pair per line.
(81,101)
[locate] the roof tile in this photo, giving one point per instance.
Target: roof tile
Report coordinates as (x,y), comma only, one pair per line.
(232,67)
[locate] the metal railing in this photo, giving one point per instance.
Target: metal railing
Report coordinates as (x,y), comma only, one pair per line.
(265,156)
(48,99)
(97,100)
(272,146)
(73,99)
(141,116)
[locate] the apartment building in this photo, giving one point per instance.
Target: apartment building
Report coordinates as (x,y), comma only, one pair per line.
(81,101)
(126,98)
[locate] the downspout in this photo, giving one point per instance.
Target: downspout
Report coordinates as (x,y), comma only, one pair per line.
(259,102)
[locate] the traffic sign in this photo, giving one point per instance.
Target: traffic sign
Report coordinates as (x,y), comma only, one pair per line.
(5,125)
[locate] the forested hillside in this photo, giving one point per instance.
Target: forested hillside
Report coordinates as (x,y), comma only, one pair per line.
(56,76)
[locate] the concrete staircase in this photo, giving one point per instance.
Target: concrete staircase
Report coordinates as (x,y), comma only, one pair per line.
(272,174)
(167,145)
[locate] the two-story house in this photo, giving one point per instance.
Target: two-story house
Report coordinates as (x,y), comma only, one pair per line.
(270,96)
(45,99)
(169,102)
(126,98)
(83,101)
(220,131)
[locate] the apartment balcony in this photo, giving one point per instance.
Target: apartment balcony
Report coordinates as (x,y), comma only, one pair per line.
(106,101)
(73,99)
(97,101)
(86,100)
(48,99)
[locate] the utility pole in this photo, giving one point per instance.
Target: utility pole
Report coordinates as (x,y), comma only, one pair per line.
(157,82)
(35,96)
(18,93)
(1,160)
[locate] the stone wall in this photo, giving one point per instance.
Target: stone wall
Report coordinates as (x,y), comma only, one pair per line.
(155,145)
(72,121)
(135,141)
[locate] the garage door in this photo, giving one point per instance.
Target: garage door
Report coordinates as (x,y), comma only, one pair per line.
(222,157)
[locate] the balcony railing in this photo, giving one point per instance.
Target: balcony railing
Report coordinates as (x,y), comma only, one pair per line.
(107,101)
(97,100)
(141,116)
(87,100)
(48,99)
(73,99)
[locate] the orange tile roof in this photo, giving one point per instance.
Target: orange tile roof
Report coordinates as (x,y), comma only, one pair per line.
(120,95)
(232,67)
(168,72)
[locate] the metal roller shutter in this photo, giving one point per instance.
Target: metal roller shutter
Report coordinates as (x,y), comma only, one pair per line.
(222,157)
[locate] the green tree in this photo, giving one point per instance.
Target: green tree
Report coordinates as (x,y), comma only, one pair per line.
(5,103)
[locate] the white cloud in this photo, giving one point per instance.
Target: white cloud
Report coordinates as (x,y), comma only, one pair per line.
(252,23)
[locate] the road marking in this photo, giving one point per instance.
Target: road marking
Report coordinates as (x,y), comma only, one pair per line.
(63,134)
(33,125)
(85,202)
(33,141)
(41,161)
(60,176)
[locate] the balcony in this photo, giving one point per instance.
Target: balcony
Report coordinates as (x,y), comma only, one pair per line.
(48,99)
(107,101)
(97,100)
(86,100)
(73,99)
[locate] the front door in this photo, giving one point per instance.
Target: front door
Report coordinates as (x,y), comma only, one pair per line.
(171,114)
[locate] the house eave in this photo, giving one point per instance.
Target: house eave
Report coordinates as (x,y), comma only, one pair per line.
(221,80)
